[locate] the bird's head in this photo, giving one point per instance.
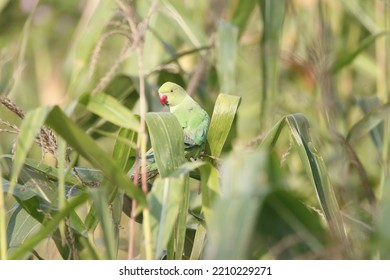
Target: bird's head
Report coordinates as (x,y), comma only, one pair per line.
(171,94)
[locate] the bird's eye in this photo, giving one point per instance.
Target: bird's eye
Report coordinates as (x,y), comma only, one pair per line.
(171,90)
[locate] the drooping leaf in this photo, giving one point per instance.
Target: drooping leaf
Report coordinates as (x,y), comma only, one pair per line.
(315,168)
(368,122)
(110,109)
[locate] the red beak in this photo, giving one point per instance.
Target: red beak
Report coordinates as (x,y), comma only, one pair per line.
(163,99)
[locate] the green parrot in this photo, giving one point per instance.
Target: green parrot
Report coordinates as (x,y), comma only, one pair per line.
(194,121)
(192,118)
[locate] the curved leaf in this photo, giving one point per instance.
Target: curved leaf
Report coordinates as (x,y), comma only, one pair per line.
(110,109)
(368,122)
(314,167)
(221,121)
(166,136)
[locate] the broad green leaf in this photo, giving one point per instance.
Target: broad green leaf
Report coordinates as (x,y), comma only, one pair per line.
(29,129)
(168,147)
(221,121)
(21,227)
(346,58)
(226,47)
(87,147)
(166,136)
(163,203)
(110,109)
(314,167)
(47,228)
(368,122)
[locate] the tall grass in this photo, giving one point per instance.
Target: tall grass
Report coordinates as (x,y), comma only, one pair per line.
(297,155)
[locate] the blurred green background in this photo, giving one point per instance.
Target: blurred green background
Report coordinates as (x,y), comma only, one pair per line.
(285,193)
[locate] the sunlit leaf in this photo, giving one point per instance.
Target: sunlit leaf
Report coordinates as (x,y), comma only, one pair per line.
(110,109)
(221,122)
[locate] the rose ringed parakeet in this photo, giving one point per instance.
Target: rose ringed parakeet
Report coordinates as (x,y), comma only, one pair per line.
(194,121)
(192,118)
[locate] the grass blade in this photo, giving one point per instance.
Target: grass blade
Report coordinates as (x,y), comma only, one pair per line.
(369,122)
(346,58)
(110,109)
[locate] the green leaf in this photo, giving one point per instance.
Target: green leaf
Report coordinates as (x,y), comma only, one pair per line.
(163,203)
(273,14)
(210,189)
(283,216)
(21,227)
(226,47)
(99,198)
(243,187)
(47,228)
(221,122)
(314,167)
(110,109)
(166,136)
(88,148)
(242,13)
(199,242)
(346,58)
(29,129)
(369,122)
(3,3)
